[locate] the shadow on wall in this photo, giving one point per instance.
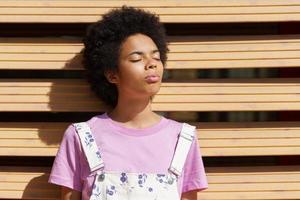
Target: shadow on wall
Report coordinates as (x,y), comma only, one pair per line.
(39,188)
(57,95)
(68,95)
(34,179)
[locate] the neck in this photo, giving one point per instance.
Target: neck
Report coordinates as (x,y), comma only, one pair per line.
(136,113)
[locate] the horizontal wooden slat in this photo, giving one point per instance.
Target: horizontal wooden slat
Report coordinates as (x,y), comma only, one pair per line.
(186,52)
(267,182)
(249,138)
(27,183)
(193,95)
(34,139)
(63,11)
(235,183)
(215,138)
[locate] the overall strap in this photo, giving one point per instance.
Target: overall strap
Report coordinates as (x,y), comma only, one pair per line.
(185,140)
(89,146)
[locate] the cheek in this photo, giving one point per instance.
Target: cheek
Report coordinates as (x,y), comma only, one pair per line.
(132,72)
(133,68)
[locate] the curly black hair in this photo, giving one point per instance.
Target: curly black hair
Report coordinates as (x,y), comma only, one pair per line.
(102,44)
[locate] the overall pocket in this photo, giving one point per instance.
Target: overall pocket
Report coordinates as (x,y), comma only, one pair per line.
(127,186)
(169,192)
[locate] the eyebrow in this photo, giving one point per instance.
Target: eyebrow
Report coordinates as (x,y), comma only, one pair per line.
(141,53)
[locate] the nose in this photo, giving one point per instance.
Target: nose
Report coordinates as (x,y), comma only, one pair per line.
(151,64)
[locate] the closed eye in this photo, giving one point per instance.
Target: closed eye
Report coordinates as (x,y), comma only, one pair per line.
(135,60)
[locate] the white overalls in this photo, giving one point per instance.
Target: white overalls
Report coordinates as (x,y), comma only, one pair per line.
(134,186)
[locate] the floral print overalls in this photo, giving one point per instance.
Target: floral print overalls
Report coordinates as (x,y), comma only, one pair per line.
(134,186)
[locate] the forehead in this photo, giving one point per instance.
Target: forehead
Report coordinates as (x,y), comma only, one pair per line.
(138,42)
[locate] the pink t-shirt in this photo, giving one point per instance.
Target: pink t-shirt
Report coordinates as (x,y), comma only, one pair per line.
(124,149)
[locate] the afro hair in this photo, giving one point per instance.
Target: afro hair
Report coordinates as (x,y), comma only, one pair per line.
(103,41)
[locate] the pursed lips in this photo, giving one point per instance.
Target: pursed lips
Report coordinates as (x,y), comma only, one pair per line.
(152,78)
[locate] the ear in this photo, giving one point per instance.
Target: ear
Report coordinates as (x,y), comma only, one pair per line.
(111,77)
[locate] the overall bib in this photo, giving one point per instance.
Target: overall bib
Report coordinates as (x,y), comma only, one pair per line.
(134,186)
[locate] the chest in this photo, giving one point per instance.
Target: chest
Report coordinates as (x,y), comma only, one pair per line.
(146,154)
(133,186)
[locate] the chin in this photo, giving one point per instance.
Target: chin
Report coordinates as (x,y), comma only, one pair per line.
(154,91)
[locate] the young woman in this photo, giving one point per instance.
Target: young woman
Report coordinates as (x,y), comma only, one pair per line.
(128,152)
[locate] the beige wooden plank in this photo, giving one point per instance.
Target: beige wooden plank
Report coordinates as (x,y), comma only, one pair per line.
(239,40)
(285,89)
(172,83)
(248,139)
(218,18)
(235,95)
(216,64)
(171,10)
(282,106)
(240,178)
(185,52)
(207,152)
(218,98)
(164,107)
(177,43)
(29,194)
(148,3)
(226,55)
(251,170)
(240,143)
(277,182)
(26,151)
(25,143)
(172,57)
(42,186)
(74,42)
(249,133)
(265,182)
(216,143)
(165,99)
(245,44)
(250,151)
(182,64)
(38,65)
(243,186)
(27,183)
(207,11)
(278,195)
(215,138)
(207,130)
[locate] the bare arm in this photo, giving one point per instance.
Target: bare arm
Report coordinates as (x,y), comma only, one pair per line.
(191,195)
(69,194)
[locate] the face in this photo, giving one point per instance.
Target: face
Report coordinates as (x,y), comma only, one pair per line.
(139,58)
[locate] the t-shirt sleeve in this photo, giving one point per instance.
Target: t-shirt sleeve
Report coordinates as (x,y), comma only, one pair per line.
(194,176)
(66,169)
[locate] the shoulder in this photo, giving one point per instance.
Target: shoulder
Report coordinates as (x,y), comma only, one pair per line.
(177,125)
(70,133)
(174,123)
(91,122)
